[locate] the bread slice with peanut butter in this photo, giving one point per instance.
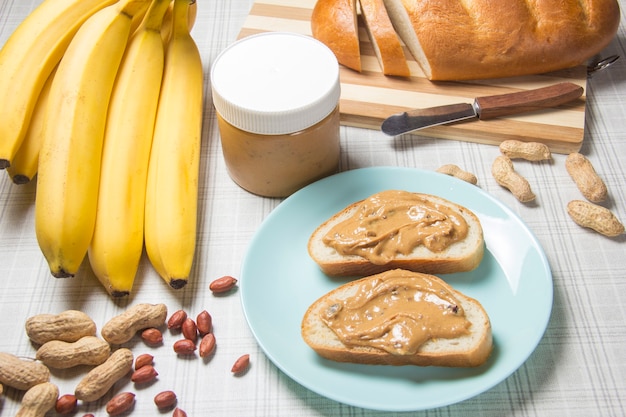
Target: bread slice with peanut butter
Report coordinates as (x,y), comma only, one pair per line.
(399,317)
(398,229)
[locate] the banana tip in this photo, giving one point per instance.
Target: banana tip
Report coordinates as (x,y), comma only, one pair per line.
(177,284)
(20,179)
(62,274)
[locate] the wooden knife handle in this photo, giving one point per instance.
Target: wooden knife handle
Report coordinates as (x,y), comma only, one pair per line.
(541,98)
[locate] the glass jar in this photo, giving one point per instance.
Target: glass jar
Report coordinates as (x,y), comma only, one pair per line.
(277,100)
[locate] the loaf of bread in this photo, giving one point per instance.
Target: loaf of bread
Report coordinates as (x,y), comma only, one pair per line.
(400,248)
(454,40)
(406,334)
(479,39)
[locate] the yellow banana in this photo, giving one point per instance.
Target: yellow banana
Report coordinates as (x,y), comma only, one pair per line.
(69,161)
(172,191)
(166,29)
(25,162)
(27,59)
(117,242)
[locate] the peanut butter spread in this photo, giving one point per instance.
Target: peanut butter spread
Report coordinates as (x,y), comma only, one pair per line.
(397,313)
(396,222)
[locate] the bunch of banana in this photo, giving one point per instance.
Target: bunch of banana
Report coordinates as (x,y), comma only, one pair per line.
(108,117)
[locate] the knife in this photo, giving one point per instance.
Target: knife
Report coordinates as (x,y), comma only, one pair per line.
(483,108)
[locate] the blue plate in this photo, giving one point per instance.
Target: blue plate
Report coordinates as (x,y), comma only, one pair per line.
(279,281)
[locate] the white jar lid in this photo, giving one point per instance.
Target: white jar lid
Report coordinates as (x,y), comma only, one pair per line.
(275,83)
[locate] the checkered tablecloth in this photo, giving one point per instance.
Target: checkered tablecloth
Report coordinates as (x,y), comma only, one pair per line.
(578,369)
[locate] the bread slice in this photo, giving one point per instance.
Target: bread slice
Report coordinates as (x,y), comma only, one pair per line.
(335,24)
(478,39)
(384,39)
(460,256)
(468,350)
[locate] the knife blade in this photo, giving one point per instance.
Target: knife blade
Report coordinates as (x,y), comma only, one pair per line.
(483,108)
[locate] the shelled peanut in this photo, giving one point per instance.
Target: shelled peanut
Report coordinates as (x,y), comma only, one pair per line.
(190,329)
(184,347)
(223,284)
(241,364)
(66,404)
(179,413)
(144,374)
(152,336)
(176,319)
(165,399)
(204,323)
(120,403)
(143,360)
(207,345)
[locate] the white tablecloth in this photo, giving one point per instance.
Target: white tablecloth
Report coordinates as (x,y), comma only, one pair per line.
(578,369)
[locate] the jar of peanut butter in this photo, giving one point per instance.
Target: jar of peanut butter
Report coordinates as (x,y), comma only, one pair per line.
(277,100)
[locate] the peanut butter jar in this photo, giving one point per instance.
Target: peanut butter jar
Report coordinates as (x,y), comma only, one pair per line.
(276,95)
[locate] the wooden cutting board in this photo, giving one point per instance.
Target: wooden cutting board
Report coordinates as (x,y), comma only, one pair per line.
(367,98)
